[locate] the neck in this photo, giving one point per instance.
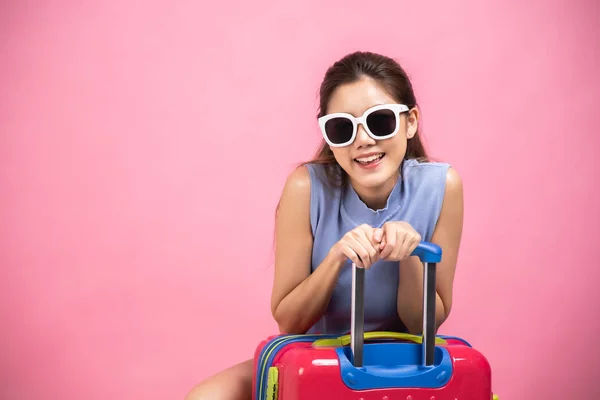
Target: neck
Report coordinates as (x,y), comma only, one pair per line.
(376,197)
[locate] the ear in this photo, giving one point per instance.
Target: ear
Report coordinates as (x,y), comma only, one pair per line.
(412,123)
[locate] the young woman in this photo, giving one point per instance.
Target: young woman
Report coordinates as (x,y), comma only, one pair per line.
(369,197)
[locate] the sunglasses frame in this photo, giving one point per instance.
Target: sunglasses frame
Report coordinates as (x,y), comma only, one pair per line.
(397,109)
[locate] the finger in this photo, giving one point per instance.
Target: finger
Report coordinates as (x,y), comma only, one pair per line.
(351,254)
(395,253)
(387,250)
(408,246)
(390,239)
(360,250)
(404,246)
(366,236)
(371,247)
(377,235)
(382,245)
(413,245)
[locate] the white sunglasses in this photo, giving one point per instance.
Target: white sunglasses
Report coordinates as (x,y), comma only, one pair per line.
(380,122)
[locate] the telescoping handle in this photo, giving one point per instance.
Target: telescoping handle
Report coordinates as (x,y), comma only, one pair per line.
(429,254)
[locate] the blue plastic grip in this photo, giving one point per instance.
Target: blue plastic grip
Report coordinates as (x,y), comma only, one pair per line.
(428,252)
(394,365)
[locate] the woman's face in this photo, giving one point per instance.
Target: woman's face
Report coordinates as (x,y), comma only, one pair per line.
(371,164)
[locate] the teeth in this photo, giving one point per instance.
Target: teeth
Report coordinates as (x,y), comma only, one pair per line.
(369,159)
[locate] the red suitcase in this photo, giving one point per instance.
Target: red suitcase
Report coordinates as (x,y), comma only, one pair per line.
(390,365)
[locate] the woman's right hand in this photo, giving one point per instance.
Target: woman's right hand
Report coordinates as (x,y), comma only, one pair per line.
(361,245)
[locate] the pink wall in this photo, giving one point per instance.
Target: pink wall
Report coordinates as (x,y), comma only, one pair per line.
(129,130)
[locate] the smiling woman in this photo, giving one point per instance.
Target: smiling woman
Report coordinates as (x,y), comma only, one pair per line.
(370,197)
(371,157)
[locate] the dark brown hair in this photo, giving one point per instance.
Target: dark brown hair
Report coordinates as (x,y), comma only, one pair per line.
(390,76)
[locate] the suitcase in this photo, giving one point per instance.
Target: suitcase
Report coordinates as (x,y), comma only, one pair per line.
(374,365)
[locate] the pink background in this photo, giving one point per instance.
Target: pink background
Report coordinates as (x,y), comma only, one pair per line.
(130,129)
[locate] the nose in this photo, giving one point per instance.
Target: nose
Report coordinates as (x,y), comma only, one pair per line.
(362,137)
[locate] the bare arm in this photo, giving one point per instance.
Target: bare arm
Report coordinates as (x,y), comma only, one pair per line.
(299,298)
(447,235)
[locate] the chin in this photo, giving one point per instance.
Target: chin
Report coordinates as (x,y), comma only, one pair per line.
(374,178)
(371,182)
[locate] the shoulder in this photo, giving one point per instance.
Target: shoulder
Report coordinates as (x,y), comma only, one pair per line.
(453,194)
(306,182)
(453,183)
(423,169)
(303,197)
(438,179)
(298,183)
(308,179)
(294,204)
(441,173)
(433,183)
(431,168)
(428,175)
(307,192)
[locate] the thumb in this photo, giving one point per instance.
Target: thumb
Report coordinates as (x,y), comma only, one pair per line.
(377,234)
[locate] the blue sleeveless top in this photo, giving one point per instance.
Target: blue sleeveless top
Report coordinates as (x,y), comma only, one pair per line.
(416,198)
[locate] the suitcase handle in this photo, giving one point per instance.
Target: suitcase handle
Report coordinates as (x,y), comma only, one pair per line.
(345,339)
(429,254)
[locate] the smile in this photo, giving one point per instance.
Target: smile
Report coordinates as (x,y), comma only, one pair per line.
(372,159)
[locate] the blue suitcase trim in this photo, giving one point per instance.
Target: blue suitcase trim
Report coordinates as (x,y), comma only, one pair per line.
(456,338)
(388,365)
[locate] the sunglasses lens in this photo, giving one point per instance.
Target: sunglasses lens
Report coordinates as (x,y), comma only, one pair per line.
(382,122)
(339,130)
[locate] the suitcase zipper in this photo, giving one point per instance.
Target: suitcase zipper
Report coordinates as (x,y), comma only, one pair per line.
(269,352)
(261,367)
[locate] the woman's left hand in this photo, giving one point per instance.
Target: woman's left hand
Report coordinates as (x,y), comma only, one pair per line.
(398,240)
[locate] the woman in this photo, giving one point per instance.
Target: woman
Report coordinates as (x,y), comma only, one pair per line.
(370,196)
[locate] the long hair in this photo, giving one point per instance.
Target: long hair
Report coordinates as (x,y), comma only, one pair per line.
(390,76)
